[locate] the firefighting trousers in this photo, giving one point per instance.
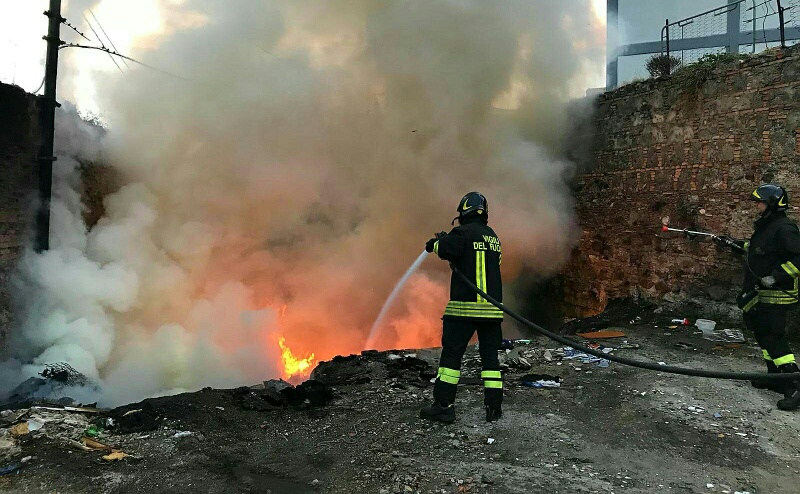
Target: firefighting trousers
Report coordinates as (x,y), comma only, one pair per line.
(768,324)
(456,334)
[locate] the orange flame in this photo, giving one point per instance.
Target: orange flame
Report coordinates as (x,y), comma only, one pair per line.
(292,365)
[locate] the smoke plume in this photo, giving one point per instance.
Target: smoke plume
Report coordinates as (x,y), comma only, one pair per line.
(288,179)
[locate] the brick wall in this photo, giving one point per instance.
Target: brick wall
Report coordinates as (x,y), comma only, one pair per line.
(692,155)
(19,142)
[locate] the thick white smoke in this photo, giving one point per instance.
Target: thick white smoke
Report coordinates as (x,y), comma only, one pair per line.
(283,189)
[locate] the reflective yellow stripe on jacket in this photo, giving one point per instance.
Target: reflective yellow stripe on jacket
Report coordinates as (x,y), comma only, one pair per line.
(473,309)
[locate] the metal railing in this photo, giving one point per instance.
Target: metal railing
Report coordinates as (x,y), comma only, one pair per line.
(719,29)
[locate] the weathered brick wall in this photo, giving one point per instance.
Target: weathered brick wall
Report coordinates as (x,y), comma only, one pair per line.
(19,142)
(664,149)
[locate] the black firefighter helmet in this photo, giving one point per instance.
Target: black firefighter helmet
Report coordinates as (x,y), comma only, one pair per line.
(473,204)
(774,196)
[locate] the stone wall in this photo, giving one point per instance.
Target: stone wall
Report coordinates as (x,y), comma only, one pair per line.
(19,145)
(666,150)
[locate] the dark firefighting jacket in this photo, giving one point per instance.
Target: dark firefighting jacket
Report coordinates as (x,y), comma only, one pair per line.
(474,249)
(773,250)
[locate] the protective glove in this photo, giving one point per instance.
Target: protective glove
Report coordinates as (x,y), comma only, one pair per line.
(768,281)
(726,241)
(429,244)
(723,240)
(439,235)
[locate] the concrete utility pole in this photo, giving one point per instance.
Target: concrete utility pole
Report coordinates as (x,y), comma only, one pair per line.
(612,44)
(47,114)
(734,17)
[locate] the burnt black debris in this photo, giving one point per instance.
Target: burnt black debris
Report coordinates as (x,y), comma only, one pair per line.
(372,365)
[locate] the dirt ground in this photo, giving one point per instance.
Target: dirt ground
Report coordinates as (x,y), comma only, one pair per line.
(606,430)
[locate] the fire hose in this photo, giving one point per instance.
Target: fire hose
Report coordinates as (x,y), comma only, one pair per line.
(692,234)
(670,369)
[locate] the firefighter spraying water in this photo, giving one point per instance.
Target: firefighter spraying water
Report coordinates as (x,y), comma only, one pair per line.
(771,260)
(376,326)
(472,247)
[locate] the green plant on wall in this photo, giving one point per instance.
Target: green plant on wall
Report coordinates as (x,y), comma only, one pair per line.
(690,78)
(662,65)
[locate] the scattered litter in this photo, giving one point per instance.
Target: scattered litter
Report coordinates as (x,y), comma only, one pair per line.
(19,430)
(540,381)
(682,322)
(681,345)
(181,434)
(742,434)
(23,428)
(584,358)
(705,325)
(717,415)
(519,363)
(68,409)
(490,440)
(710,486)
(116,456)
(9,469)
(131,412)
(604,363)
(10,417)
(97,445)
(77,445)
(221,409)
(662,363)
(726,335)
(602,334)
(548,355)
(63,372)
(93,431)
(26,459)
(523,342)
(628,346)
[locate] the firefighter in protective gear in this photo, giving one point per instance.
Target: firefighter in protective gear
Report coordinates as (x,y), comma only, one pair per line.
(474,249)
(770,286)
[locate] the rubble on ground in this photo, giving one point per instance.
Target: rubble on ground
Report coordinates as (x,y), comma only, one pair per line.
(56,383)
(570,425)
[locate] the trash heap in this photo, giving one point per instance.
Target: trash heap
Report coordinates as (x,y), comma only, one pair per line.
(57,382)
(73,428)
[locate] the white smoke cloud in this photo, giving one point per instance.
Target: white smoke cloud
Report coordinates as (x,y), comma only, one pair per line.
(285,187)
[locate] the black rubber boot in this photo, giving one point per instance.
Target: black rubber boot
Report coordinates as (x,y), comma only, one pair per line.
(776,386)
(791,397)
(439,412)
(493,413)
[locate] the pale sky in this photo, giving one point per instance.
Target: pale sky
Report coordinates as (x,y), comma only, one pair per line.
(22,49)
(22,26)
(132,30)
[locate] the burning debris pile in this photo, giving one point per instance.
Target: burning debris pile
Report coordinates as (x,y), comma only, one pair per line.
(33,415)
(248,236)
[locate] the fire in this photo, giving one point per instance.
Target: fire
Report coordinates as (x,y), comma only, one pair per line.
(293,365)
